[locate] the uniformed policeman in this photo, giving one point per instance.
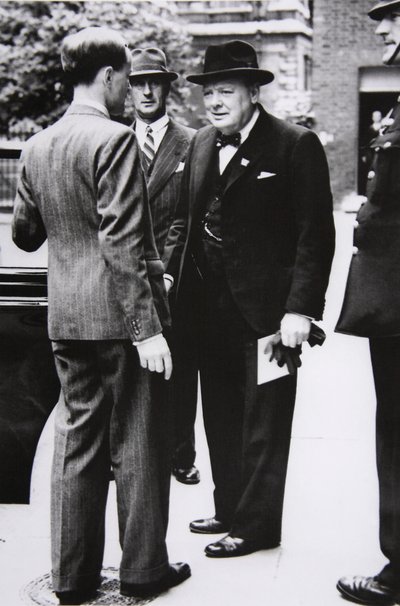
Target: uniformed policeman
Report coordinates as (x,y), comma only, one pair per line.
(371,309)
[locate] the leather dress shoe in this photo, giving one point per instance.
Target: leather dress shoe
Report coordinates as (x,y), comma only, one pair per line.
(189,475)
(367,590)
(176,574)
(231,547)
(208,526)
(75,597)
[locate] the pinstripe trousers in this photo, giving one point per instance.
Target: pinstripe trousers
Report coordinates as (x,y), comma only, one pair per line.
(110,411)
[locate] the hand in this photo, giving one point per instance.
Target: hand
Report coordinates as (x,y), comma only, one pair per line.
(294,329)
(156,356)
(168,284)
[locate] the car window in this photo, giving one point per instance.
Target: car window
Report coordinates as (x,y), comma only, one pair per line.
(11,255)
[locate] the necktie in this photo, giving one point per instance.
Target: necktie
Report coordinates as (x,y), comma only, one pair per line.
(223,140)
(148,146)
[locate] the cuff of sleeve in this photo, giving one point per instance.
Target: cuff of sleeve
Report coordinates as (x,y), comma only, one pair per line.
(153,338)
(170,278)
(301,315)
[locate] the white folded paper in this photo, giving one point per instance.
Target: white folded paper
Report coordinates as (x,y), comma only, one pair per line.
(268,370)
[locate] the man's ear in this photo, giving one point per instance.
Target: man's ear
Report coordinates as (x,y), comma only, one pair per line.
(255,92)
(108,75)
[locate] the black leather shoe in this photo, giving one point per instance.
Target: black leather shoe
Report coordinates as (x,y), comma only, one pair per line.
(176,574)
(75,597)
(187,476)
(232,547)
(208,526)
(367,590)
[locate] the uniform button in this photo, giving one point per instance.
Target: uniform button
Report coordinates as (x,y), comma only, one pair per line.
(387,144)
(355,250)
(371,174)
(377,149)
(356,224)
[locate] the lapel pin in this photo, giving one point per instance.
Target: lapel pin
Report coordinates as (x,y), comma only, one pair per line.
(244,162)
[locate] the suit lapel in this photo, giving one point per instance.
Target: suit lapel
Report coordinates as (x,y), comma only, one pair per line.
(166,160)
(202,164)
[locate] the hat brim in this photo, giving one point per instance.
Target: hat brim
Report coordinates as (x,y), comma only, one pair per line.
(154,72)
(261,76)
(378,12)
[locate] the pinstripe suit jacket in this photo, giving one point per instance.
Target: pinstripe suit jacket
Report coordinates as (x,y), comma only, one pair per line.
(164,178)
(82,187)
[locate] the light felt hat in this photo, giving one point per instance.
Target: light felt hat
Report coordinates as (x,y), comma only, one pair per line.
(150,62)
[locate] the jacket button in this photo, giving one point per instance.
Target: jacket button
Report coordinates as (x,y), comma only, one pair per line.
(387,144)
(356,224)
(371,174)
(355,250)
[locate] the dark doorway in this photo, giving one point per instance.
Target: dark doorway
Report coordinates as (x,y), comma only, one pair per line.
(369,103)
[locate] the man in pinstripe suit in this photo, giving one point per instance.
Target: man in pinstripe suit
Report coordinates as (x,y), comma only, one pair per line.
(164,144)
(82,188)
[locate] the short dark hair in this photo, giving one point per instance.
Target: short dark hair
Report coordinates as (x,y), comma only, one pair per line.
(84,53)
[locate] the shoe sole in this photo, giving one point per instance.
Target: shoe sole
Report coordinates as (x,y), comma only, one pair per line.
(187,481)
(353,598)
(238,555)
(223,531)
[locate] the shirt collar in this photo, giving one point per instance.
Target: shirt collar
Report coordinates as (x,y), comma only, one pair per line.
(91,103)
(155,126)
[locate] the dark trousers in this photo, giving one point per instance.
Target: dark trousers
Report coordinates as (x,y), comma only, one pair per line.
(248,427)
(111,411)
(385,356)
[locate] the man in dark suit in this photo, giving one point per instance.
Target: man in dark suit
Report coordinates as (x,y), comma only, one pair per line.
(164,144)
(82,188)
(371,309)
(254,225)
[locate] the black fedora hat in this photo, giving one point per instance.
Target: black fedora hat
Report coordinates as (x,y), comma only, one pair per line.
(236,58)
(379,10)
(150,62)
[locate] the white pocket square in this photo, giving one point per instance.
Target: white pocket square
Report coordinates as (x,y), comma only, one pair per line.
(180,167)
(265,175)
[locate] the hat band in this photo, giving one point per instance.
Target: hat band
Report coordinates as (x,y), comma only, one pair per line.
(149,66)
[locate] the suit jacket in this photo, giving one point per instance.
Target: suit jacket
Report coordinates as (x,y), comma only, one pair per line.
(371,306)
(82,187)
(276,220)
(164,179)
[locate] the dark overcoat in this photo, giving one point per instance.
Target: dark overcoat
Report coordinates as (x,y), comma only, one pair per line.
(276,222)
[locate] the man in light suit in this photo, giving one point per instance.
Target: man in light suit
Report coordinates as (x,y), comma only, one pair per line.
(164,144)
(255,230)
(82,188)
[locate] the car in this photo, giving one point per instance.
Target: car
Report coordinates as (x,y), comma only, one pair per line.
(29,386)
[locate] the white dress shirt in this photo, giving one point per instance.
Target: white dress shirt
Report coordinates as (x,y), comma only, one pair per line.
(226,153)
(159,128)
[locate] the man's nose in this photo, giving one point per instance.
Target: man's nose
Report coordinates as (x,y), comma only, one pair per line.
(215,99)
(147,89)
(383,27)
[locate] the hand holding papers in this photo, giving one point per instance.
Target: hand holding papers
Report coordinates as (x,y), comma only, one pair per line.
(275,360)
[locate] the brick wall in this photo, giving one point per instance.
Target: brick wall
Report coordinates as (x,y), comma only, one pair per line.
(344,41)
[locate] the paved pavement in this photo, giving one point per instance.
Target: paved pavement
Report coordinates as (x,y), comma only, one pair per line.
(330,516)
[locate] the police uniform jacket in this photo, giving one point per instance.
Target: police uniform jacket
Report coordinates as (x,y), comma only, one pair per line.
(371,306)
